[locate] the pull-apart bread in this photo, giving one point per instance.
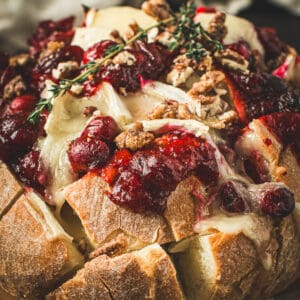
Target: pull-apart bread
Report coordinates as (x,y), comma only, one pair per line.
(150,154)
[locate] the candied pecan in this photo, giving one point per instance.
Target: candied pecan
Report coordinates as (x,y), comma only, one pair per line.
(51,48)
(217,28)
(232,59)
(115,36)
(133,30)
(205,64)
(207,82)
(158,9)
(89,110)
(134,138)
(223,119)
(171,109)
(15,87)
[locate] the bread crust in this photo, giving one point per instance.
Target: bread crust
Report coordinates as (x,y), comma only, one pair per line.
(144,274)
(30,260)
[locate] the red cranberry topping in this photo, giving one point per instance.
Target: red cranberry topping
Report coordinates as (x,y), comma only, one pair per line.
(97,50)
(278,203)
(241,47)
(60,31)
(104,128)
(157,171)
(151,61)
(286,127)
(231,199)
(43,69)
(25,103)
(16,135)
(257,94)
(91,150)
(87,153)
(271,42)
(31,170)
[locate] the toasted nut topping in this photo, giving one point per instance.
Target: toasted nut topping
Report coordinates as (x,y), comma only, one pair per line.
(65,69)
(207,82)
(158,9)
(20,60)
(171,109)
(217,28)
(89,110)
(124,58)
(15,87)
(134,138)
(232,59)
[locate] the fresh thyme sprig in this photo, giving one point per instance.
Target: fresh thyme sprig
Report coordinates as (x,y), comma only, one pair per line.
(187,34)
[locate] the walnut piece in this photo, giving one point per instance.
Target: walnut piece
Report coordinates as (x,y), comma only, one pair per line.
(124,58)
(232,59)
(134,138)
(20,60)
(207,83)
(14,88)
(158,9)
(217,28)
(171,109)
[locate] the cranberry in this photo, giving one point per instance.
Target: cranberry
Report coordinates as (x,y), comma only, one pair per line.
(231,199)
(97,50)
(257,93)
(157,170)
(271,42)
(151,61)
(278,203)
(21,104)
(86,154)
(60,31)
(16,135)
(31,170)
(104,128)
(128,191)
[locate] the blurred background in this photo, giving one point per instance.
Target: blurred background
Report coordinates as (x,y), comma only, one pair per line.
(18,18)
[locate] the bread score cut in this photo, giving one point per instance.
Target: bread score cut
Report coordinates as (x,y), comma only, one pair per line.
(145,274)
(35,251)
(11,189)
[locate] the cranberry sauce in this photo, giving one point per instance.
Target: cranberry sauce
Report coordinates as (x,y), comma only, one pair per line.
(149,62)
(257,93)
(46,31)
(31,171)
(143,180)
(92,149)
(286,127)
(272,44)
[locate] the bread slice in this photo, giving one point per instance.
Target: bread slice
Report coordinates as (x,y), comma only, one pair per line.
(35,252)
(144,274)
(236,259)
(103,221)
(10,189)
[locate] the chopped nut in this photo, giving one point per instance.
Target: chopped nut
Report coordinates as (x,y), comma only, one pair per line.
(65,69)
(182,69)
(133,30)
(89,110)
(207,82)
(115,36)
(15,87)
(217,28)
(171,109)
(124,58)
(158,9)
(21,60)
(165,38)
(205,64)
(134,138)
(232,59)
